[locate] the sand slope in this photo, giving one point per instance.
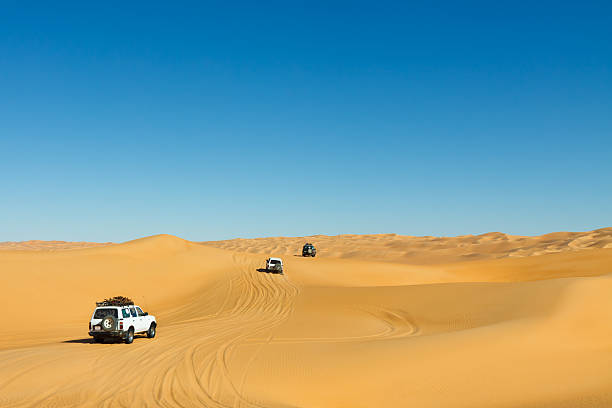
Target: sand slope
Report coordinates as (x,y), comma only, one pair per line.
(335,331)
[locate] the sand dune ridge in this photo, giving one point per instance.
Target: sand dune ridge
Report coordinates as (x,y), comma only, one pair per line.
(447,330)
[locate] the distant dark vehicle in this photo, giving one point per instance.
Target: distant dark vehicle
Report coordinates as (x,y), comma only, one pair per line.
(309,250)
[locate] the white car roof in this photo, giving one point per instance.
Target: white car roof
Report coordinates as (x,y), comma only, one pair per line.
(276,259)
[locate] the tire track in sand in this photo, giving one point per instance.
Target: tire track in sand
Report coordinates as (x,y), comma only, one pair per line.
(187,365)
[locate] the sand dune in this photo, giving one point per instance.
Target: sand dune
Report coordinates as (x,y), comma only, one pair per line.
(424,250)
(476,321)
(38,245)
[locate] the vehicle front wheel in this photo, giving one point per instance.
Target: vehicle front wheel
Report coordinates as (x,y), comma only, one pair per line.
(151,331)
(129,338)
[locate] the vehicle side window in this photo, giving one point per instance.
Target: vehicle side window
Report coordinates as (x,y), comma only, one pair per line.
(140,312)
(126,313)
(133,311)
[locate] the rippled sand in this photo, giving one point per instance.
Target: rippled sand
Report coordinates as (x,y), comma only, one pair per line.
(373,321)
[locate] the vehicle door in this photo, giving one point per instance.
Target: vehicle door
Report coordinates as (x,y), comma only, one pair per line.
(136,321)
(144,320)
(99,314)
(126,317)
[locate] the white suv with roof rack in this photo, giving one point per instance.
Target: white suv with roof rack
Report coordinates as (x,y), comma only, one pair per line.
(120,322)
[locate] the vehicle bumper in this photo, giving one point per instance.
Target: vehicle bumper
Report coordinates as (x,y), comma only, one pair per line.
(113,333)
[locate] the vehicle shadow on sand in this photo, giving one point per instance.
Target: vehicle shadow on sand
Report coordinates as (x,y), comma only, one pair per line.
(80,341)
(91,340)
(264,270)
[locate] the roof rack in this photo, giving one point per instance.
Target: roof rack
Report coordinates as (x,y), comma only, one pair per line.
(115,301)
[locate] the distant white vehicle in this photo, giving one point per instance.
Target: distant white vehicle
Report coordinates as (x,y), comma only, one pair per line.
(274,265)
(121,322)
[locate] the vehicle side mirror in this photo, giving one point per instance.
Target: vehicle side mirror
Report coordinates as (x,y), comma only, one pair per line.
(146,313)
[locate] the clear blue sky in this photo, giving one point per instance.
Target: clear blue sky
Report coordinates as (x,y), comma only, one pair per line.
(213,120)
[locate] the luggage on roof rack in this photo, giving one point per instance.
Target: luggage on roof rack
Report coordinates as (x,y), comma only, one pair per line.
(116,301)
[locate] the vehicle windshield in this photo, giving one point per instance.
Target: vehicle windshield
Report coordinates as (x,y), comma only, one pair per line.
(274,262)
(102,313)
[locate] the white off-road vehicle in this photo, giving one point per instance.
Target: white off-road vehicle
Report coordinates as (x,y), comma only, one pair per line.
(274,265)
(120,322)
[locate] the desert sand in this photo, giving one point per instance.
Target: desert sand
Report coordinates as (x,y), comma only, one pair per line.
(373,321)
(38,245)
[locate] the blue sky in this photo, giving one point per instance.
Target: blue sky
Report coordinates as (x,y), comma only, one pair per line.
(211,120)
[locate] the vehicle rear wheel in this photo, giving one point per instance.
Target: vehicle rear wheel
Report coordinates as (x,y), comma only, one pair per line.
(129,338)
(151,331)
(98,339)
